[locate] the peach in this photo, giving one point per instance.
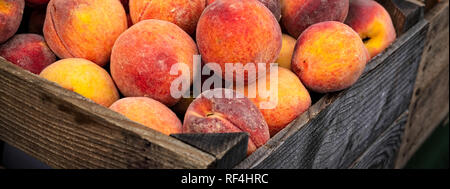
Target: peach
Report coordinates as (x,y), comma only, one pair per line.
(11,12)
(149,113)
(184,13)
(83,77)
(329,56)
(222,111)
(143,56)
(299,15)
(287,50)
(235,31)
(84,28)
(273,5)
(373,24)
(28,51)
(292,99)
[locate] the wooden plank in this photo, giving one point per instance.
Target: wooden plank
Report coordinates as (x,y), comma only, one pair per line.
(430,103)
(382,154)
(337,129)
(404,14)
(228,148)
(66,130)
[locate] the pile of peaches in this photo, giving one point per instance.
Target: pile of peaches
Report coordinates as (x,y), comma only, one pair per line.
(119,54)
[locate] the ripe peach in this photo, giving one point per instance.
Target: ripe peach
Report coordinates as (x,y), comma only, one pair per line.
(235,31)
(150,113)
(143,56)
(84,28)
(28,51)
(184,13)
(11,12)
(292,99)
(299,15)
(329,56)
(287,49)
(373,24)
(83,77)
(273,5)
(211,112)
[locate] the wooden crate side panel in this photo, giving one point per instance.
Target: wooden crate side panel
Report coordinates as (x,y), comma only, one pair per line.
(430,103)
(382,154)
(65,130)
(350,124)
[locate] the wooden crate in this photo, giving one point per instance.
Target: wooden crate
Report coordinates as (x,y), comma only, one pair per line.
(360,127)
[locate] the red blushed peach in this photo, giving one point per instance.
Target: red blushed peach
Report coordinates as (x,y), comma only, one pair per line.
(150,113)
(184,13)
(83,77)
(144,55)
(211,112)
(273,5)
(329,57)
(373,24)
(28,51)
(299,15)
(291,99)
(84,28)
(11,12)
(235,31)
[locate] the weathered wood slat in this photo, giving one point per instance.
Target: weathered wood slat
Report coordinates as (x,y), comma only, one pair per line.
(382,154)
(404,14)
(348,122)
(430,103)
(228,148)
(65,130)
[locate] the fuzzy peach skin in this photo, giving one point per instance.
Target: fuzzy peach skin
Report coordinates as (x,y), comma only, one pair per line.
(287,50)
(373,24)
(292,99)
(235,31)
(83,77)
(143,56)
(329,57)
(300,14)
(211,114)
(184,13)
(28,51)
(84,28)
(11,12)
(273,5)
(149,113)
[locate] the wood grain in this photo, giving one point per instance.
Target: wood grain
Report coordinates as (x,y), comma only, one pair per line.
(65,130)
(430,103)
(404,14)
(382,154)
(337,129)
(228,148)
